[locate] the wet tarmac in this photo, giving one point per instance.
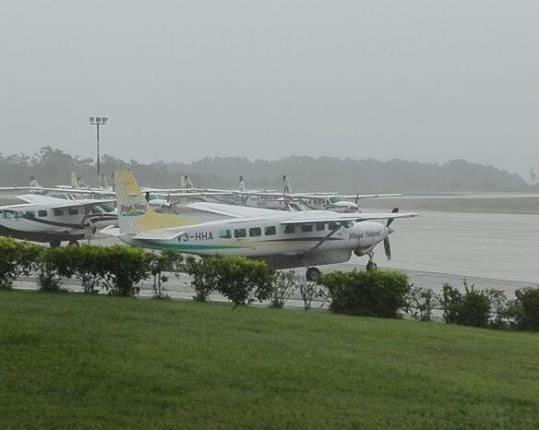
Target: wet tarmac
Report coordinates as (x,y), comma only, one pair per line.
(491,250)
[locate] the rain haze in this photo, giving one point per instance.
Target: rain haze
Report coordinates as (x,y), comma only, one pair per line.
(418,80)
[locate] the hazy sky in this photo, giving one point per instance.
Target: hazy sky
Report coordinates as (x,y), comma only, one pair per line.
(420,80)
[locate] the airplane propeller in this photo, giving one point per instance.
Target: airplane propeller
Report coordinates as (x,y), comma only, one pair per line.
(387,245)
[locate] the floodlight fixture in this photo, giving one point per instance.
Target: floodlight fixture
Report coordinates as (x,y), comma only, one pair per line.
(98,120)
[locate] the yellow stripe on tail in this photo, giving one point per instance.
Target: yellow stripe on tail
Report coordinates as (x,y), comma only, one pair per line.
(134,214)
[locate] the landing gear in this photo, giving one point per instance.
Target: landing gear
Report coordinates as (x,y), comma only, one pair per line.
(371,265)
(313,274)
(55,243)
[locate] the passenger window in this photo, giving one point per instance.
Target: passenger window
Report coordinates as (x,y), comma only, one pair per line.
(58,212)
(289,228)
(306,228)
(255,231)
(240,232)
(225,234)
(42,213)
(30,214)
(270,231)
(320,226)
(73,211)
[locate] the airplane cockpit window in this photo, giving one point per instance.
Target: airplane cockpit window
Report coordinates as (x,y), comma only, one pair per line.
(348,224)
(58,212)
(73,211)
(306,228)
(42,213)
(240,232)
(333,199)
(270,230)
(255,231)
(225,234)
(333,226)
(289,228)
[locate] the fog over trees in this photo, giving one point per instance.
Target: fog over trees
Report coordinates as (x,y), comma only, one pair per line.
(52,166)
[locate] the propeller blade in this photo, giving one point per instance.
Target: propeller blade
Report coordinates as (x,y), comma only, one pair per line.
(387,248)
(389,221)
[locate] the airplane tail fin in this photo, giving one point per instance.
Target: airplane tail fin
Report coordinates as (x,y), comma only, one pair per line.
(134,214)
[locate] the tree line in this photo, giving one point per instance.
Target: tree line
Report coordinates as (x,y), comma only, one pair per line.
(52,166)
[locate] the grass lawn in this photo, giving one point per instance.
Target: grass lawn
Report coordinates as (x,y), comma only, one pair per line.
(76,361)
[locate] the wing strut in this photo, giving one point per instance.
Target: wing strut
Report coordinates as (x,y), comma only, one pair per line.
(325,239)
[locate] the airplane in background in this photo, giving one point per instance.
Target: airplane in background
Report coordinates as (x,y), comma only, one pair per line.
(282,239)
(55,220)
(286,199)
(158,198)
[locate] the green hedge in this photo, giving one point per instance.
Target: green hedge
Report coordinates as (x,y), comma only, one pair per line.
(372,293)
(16,259)
(239,279)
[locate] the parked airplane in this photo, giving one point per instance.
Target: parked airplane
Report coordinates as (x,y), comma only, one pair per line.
(282,239)
(54,220)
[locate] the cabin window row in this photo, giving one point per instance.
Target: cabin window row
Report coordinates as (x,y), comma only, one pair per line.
(42,213)
(240,233)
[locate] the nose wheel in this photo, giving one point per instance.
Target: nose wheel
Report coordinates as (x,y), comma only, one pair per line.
(371,265)
(313,274)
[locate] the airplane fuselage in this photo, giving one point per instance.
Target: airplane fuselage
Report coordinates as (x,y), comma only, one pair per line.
(40,223)
(281,245)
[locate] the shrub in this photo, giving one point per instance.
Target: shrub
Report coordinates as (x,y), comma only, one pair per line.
(373,293)
(524,309)
(203,276)
(52,266)
(421,302)
(125,266)
(242,280)
(471,308)
(88,264)
(309,291)
(283,284)
(16,259)
(165,261)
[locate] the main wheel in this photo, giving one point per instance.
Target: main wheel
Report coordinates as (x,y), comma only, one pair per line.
(55,243)
(313,274)
(371,265)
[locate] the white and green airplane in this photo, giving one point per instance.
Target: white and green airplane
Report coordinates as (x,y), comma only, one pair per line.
(56,220)
(282,239)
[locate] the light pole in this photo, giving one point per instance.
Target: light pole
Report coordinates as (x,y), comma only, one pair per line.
(98,121)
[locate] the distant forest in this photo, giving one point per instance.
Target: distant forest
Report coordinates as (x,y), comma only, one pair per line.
(52,166)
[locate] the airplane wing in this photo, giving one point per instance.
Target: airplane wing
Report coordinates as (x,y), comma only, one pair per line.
(57,204)
(233,211)
(327,216)
(93,191)
(367,196)
(195,194)
(40,199)
(81,203)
